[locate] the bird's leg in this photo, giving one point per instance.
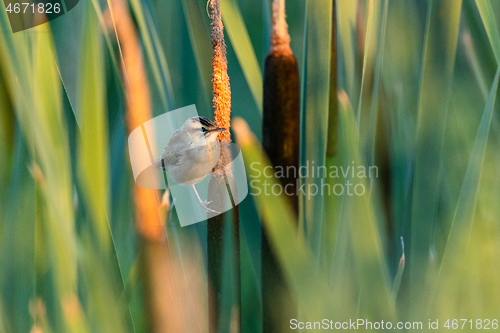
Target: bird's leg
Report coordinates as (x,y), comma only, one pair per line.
(194,188)
(204,203)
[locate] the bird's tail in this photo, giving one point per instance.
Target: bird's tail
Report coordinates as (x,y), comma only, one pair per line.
(158,163)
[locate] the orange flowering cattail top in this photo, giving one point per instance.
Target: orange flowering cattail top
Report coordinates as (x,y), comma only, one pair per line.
(220,79)
(220,84)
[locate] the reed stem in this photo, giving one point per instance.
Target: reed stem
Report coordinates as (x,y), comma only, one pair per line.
(333,108)
(218,186)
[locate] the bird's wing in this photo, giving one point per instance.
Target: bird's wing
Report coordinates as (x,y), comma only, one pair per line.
(169,159)
(172,153)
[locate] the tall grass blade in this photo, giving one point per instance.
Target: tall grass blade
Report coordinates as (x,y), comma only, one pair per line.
(372,43)
(346,26)
(399,274)
(490,24)
(93,140)
(93,180)
(18,240)
(316,98)
(7,126)
(474,22)
(290,247)
(28,63)
(154,53)
(457,246)
(199,34)
(329,232)
(266,11)
(371,130)
(443,20)
(3,326)
(44,123)
(333,112)
(474,63)
(371,267)
(238,34)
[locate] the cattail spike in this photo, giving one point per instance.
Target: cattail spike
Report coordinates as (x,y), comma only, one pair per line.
(219,185)
(220,79)
(281,141)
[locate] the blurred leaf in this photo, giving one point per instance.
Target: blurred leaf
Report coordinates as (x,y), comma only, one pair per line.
(7,126)
(299,266)
(45,124)
(100,281)
(474,22)
(18,242)
(237,32)
(93,176)
(93,140)
(399,274)
(199,35)
(473,60)
(461,228)
(372,45)
(315,99)
(267,14)
(376,31)
(490,24)
(3,327)
(346,27)
(332,233)
(443,21)
(28,63)
(251,282)
(190,279)
(154,53)
(371,268)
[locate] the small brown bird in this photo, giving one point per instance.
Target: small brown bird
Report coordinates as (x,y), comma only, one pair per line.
(191,153)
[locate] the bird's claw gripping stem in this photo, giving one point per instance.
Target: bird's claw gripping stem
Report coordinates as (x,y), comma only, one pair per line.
(208,210)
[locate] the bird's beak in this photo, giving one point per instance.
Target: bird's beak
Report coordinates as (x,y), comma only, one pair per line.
(218,129)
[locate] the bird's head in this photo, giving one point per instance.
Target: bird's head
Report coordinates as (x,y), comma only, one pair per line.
(203,127)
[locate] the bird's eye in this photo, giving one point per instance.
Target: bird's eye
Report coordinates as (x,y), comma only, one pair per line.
(203,129)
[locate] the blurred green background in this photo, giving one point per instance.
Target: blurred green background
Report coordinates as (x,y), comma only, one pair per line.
(418,81)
